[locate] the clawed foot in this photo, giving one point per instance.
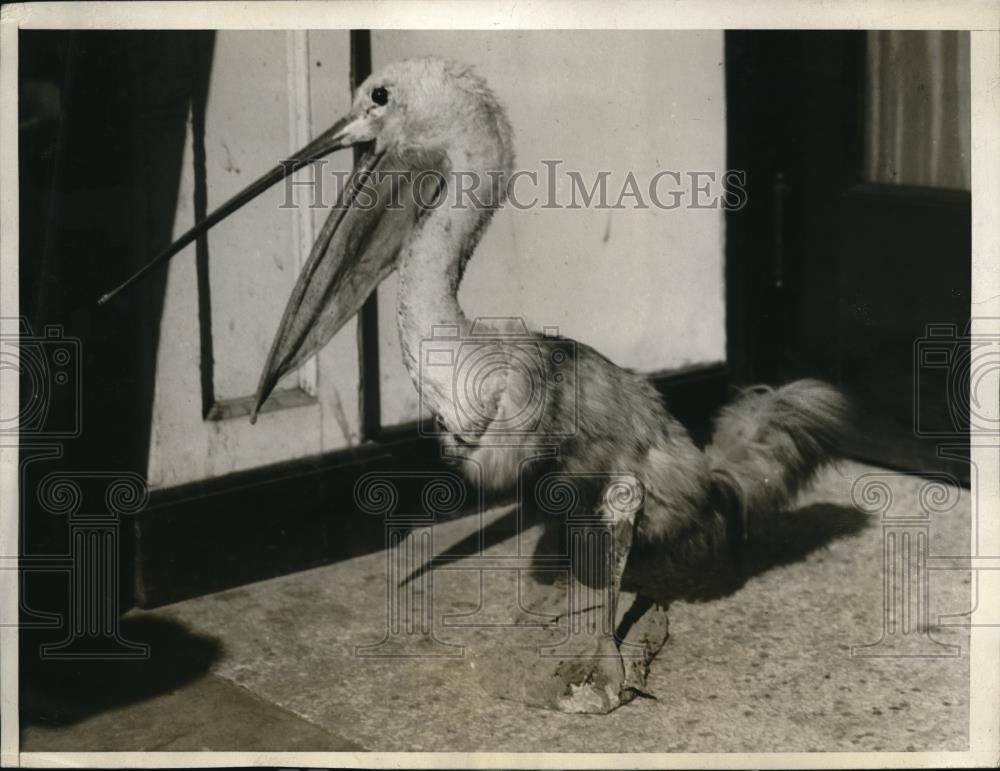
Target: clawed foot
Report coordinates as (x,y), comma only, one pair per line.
(605,672)
(605,662)
(595,653)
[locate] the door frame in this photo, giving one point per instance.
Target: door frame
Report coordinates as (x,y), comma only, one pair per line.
(770,78)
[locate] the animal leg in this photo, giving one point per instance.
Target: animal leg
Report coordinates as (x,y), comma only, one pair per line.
(620,502)
(611,635)
(640,628)
(622,531)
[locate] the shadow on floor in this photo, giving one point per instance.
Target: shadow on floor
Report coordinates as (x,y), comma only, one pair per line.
(780,540)
(64,691)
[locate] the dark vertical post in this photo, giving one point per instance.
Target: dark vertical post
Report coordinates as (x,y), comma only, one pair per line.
(199,101)
(369,399)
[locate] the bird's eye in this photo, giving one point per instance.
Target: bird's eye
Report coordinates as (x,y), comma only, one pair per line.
(380,96)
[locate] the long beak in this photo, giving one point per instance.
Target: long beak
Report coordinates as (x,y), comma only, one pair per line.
(356,248)
(330,140)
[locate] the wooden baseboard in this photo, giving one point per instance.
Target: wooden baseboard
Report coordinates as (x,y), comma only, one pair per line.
(208,536)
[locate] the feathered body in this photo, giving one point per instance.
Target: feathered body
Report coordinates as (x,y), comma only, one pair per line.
(766,445)
(603,419)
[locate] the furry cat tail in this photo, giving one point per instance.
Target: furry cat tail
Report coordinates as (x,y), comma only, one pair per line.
(768,444)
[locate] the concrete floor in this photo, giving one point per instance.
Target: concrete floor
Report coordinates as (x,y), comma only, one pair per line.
(764,665)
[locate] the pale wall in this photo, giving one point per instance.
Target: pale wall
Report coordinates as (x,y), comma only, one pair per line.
(269,91)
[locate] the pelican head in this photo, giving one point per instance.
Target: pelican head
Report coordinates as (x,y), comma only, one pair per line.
(412,117)
(431,114)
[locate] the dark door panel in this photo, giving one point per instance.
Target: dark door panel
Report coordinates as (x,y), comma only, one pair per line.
(833,277)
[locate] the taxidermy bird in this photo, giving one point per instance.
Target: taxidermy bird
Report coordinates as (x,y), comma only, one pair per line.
(425,121)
